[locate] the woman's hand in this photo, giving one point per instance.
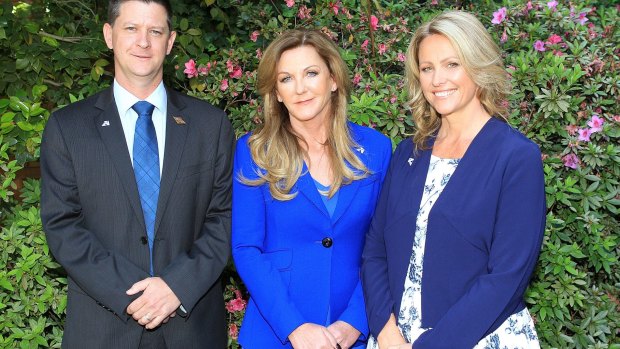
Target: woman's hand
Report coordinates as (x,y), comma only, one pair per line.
(401,346)
(390,336)
(312,336)
(345,334)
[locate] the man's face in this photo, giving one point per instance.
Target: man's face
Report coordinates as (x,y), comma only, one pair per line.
(141,40)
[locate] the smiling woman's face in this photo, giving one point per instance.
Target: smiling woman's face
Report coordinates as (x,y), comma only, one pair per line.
(444,81)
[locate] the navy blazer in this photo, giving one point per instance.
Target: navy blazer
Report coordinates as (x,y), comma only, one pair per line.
(483,239)
(281,249)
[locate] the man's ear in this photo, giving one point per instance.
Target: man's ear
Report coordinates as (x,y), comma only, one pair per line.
(107,35)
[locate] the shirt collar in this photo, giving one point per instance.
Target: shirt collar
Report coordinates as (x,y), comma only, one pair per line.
(125,100)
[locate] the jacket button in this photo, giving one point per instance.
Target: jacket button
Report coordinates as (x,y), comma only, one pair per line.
(327,242)
(144,240)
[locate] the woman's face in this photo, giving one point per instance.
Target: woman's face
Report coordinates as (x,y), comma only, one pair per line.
(304,85)
(444,81)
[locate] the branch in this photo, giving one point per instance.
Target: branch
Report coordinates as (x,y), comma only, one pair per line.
(71,39)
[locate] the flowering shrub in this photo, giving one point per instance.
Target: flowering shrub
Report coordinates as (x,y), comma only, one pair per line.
(562,58)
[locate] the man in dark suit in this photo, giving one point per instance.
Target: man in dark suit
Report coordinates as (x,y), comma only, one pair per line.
(135,199)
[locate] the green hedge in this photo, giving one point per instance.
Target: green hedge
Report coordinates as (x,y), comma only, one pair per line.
(562,58)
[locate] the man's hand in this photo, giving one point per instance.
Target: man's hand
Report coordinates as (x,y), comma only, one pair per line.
(345,334)
(156,304)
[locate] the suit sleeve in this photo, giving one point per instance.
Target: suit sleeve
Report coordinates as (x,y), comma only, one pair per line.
(193,272)
(517,237)
(256,266)
(355,313)
(100,272)
(379,302)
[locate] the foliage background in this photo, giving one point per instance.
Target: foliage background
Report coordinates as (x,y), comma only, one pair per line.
(562,57)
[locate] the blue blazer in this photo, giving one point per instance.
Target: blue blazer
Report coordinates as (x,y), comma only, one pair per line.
(483,239)
(280,249)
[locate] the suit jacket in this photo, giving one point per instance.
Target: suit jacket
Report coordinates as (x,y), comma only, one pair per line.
(91,213)
(484,235)
(299,264)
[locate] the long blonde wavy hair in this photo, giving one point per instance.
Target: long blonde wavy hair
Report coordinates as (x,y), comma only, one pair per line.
(275,147)
(480,57)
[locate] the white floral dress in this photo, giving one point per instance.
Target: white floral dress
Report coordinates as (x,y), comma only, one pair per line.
(516,332)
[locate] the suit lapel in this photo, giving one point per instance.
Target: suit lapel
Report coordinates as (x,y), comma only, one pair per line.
(108,123)
(176,134)
(347,192)
(305,185)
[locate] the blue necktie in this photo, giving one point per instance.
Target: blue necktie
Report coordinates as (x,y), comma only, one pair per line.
(146,168)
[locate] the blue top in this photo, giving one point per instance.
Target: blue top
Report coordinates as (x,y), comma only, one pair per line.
(299,263)
(330,203)
(483,239)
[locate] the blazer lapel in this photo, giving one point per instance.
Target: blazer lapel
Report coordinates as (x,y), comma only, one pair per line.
(345,198)
(108,123)
(176,134)
(306,187)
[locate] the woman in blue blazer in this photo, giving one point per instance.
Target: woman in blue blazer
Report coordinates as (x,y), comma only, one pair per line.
(461,216)
(306,186)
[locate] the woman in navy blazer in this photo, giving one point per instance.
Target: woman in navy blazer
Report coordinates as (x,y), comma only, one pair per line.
(306,185)
(461,215)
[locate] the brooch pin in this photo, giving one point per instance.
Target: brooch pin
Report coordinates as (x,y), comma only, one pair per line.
(410,161)
(179,120)
(105,123)
(360,149)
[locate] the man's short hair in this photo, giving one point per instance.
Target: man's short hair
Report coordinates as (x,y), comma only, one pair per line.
(114,9)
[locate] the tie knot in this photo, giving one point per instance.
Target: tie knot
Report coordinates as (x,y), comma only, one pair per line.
(143,108)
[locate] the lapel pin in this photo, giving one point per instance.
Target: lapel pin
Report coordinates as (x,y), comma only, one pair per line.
(105,123)
(179,120)
(360,149)
(410,161)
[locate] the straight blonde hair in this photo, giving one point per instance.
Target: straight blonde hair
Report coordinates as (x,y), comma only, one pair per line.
(480,57)
(275,147)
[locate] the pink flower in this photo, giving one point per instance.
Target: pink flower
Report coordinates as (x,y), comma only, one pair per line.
(254,35)
(374,22)
(617,117)
(539,46)
(401,57)
(230,66)
(571,161)
(529,6)
(290,3)
(190,69)
(357,78)
(582,18)
(596,123)
(382,48)
(499,16)
(259,53)
(393,99)
(364,46)
(236,73)
(554,39)
(571,129)
(584,134)
(224,85)
(234,305)
(434,2)
(335,7)
(304,12)
(552,4)
(504,37)
(233,331)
